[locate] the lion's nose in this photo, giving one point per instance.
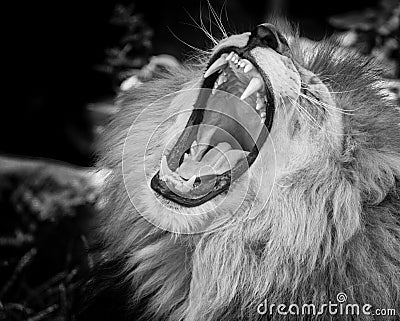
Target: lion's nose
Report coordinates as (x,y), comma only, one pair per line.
(266,35)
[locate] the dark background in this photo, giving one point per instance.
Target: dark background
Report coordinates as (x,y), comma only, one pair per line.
(55,48)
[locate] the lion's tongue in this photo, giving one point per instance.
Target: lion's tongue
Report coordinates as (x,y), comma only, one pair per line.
(215,162)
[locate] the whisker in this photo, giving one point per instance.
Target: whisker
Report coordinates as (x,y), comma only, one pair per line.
(202,27)
(217,19)
(283,104)
(328,106)
(331,92)
(301,110)
(305,113)
(190,46)
(320,104)
(214,40)
(208,32)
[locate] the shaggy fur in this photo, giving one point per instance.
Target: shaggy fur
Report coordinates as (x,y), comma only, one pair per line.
(331,226)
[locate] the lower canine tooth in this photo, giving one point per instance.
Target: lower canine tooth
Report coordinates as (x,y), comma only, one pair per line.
(230,56)
(255,84)
(188,185)
(164,168)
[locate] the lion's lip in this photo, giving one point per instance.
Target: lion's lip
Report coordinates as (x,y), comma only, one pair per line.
(178,178)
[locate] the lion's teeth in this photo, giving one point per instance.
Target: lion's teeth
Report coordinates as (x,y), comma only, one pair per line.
(235,58)
(175,181)
(229,57)
(221,79)
(255,85)
(259,106)
(164,168)
(248,67)
(263,116)
(193,148)
(188,185)
(215,87)
(260,102)
(215,66)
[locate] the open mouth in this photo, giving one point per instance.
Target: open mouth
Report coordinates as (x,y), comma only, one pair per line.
(230,122)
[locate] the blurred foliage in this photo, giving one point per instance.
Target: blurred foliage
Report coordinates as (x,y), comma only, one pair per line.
(375,32)
(45,214)
(134,46)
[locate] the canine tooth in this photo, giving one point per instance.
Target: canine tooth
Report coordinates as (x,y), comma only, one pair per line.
(191,180)
(175,181)
(255,84)
(230,56)
(193,148)
(164,168)
(215,66)
(248,67)
(242,63)
(188,185)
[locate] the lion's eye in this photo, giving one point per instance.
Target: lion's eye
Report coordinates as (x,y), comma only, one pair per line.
(266,35)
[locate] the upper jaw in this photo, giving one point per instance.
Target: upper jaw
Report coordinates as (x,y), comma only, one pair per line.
(253,87)
(246,64)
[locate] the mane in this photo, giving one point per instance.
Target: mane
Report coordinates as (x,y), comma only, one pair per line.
(328,229)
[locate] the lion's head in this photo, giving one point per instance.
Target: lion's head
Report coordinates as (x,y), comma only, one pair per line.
(285,154)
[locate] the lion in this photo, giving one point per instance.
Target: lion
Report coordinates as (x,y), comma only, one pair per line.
(262,177)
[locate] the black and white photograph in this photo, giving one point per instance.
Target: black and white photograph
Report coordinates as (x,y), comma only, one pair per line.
(200,160)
